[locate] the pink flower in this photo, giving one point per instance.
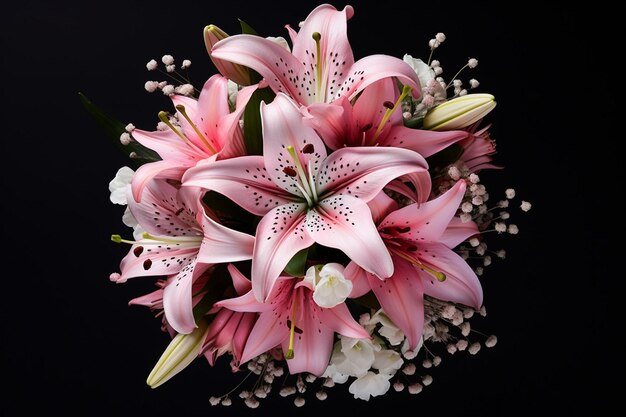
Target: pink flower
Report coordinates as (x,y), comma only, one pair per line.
(305,195)
(207,130)
(420,238)
(229,330)
(478,149)
(375,119)
(291,319)
(181,241)
(321,67)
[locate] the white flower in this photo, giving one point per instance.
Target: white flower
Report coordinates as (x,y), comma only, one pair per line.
(388,329)
(233,89)
(370,384)
(424,73)
(119,185)
(330,287)
(358,356)
(387,361)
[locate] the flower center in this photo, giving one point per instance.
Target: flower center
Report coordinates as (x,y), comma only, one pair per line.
(182,111)
(165,119)
(304,179)
(440,276)
(391,107)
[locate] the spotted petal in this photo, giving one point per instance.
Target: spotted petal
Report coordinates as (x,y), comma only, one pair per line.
(461,284)
(402,298)
(244,180)
(280,235)
(283,127)
(363,172)
(428,221)
(424,142)
(345,223)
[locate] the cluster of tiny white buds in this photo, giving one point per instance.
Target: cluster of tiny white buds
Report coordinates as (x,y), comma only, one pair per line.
(152,65)
(525,206)
(436,67)
(474,83)
(186,64)
(437,40)
(181,86)
(510,193)
(474,348)
(415,388)
(168,90)
(125,138)
(512,229)
(472,63)
(167,59)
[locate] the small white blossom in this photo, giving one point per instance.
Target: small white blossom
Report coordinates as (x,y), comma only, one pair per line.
(370,385)
(513,229)
(186,64)
(170,68)
(415,388)
(474,348)
(118,186)
(474,83)
(510,193)
(168,90)
(440,37)
(151,65)
(167,59)
(472,62)
(500,227)
(330,286)
(427,380)
(125,139)
(185,90)
(387,361)
(151,86)
(525,205)
(491,341)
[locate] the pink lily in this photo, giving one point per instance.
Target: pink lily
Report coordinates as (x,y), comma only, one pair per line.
(306,196)
(291,319)
(375,119)
(207,130)
(181,241)
(321,67)
(421,238)
(229,330)
(478,149)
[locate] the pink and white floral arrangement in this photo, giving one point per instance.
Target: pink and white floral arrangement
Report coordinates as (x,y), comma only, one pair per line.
(315,219)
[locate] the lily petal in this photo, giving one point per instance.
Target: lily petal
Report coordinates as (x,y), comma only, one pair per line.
(458,232)
(244,180)
(402,298)
(229,132)
(429,220)
(240,282)
(461,284)
(221,244)
(345,222)
(331,121)
(268,332)
(363,172)
(283,127)
(280,235)
(424,142)
(358,276)
(178,301)
(313,346)
(155,170)
(340,320)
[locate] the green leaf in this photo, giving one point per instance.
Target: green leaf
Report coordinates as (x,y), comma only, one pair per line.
(445,157)
(246,29)
(114,128)
(415,123)
(297,264)
(253,136)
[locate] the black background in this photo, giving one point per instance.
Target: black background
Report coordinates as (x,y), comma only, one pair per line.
(71,343)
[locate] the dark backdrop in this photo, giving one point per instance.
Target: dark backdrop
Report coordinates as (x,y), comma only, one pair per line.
(71,343)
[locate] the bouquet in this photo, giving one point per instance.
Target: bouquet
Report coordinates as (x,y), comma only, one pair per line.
(312,219)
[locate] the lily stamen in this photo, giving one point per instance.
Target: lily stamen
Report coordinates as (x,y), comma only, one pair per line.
(292,332)
(182,111)
(405,92)
(440,276)
(318,71)
(306,185)
(165,119)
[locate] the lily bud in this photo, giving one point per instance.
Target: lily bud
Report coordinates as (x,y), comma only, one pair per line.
(235,72)
(181,351)
(459,112)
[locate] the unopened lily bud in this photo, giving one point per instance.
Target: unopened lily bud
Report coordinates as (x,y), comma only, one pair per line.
(181,351)
(459,112)
(235,72)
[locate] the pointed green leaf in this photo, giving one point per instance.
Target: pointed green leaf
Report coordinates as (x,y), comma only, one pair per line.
(297,264)
(253,136)
(114,129)
(246,29)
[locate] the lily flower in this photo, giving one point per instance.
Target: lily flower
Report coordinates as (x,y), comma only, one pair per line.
(421,238)
(321,67)
(207,130)
(292,320)
(375,119)
(229,330)
(305,195)
(180,241)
